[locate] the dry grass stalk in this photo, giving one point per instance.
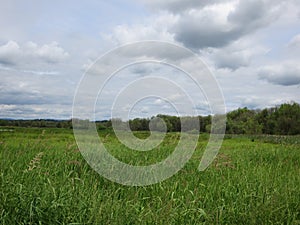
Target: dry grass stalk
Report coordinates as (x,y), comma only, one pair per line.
(35,162)
(223,160)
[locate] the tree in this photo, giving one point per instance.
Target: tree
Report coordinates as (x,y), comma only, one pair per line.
(288,119)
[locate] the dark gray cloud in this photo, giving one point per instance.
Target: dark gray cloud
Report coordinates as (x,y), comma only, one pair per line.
(196,34)
(283,79)
(16,97)
(286,74)
(35,112)
(177,6)
(252,13)
(205,28)
(6,62)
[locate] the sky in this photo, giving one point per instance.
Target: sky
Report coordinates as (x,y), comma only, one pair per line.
(251,48)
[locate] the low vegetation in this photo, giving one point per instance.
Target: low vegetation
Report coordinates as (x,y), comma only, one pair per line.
(45,180)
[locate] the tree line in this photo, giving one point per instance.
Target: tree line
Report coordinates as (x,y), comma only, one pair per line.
(279,120)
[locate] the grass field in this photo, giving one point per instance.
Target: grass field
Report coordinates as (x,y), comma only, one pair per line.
(45,180)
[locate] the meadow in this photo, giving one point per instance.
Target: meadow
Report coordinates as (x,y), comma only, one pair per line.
(45,180)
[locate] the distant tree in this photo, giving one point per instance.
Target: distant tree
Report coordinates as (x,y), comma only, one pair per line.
(138,124)
(288,119)
(242,121)
(205,122)
(158,124)
(190,123)
(282,120)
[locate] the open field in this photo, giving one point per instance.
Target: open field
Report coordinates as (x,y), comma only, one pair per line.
(45,180)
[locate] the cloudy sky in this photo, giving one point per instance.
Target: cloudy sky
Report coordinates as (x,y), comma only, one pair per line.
(252,48)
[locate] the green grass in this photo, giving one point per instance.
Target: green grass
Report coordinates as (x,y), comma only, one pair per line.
(45,180)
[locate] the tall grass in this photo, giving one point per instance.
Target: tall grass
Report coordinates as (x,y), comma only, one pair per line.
(250,182)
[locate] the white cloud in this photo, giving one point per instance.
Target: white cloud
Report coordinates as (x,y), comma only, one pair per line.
(13,53)
(238,54)
(52,52)
(293,48)
(295,42)
(158,102)
(155,28)
(9,53)
(285,71)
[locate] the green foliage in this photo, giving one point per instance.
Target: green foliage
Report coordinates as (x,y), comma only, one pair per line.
(280,120)
(37,123)
(139,124)
(243,121)
(288,117)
